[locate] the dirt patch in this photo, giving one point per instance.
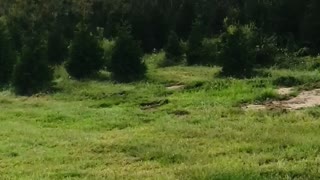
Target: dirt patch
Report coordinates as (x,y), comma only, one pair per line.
(305,99)
(175,87)
(153,104)
(285,91)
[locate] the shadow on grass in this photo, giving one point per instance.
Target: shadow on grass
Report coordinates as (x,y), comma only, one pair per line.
(250,75)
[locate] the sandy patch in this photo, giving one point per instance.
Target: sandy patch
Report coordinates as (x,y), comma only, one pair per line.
(305,99)
(284,91)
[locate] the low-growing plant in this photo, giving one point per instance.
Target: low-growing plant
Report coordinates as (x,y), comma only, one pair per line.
(287,60)
(287,81)
(266,51)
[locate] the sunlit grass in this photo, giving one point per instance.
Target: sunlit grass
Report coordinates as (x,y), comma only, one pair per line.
(98,130)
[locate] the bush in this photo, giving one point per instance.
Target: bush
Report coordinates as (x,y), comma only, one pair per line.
(126,62)
(287,81)
(194,51)
(173,50)
(266,51)
(211,51)
(86,54)
(238,51)
(305,51)
(287,60)
(7,57)
(32,73)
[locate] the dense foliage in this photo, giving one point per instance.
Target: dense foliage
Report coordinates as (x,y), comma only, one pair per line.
(152,20)
(126,61)
(32,73)
(173,49)
(290,26)
(86,55)
(238,50)
(7,57)
(194,51)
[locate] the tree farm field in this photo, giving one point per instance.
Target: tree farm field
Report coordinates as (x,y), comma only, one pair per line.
(180,123)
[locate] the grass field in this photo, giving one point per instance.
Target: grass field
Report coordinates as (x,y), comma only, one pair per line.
(103,130)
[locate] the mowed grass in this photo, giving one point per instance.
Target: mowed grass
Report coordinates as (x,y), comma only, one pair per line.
(102,130)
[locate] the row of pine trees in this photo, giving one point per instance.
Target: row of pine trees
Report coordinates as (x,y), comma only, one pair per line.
(86,36)
(31,70)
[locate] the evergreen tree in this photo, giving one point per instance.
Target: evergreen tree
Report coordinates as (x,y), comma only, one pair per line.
(311,25)
(173,50)
(32,73)
(57,47)
(194,51)
(185,16)
(7,57)
(126,62)
(86,54)
(238,50)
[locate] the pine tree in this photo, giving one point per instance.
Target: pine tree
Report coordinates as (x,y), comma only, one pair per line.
(57,47)
(238,50)
(126,62)
(194,51)
(32,73)
(86,54)
(7,57)
(173,50)
(311,25)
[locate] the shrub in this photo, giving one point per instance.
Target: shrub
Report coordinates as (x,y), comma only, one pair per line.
(194,50)
(238,50)
(126,62)
(86,54)
(266,51)
(211,51)
(173,50)
(305,51)
(287,60)
(287,81)
(32,73)
(7,57)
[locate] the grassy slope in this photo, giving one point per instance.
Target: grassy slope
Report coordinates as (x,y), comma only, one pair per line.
(97,130)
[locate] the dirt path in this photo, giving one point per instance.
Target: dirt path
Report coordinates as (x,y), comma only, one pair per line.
(305,99)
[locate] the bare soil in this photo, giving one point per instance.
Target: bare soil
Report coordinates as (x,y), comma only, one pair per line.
(305,99)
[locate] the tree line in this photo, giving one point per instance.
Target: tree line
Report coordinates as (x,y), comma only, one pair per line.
(89,35)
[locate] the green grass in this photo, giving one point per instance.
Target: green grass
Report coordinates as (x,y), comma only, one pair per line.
(98,129)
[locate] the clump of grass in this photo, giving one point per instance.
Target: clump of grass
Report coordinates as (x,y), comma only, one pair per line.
(180,112)
(267,95)
(287,81)
(150,152)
